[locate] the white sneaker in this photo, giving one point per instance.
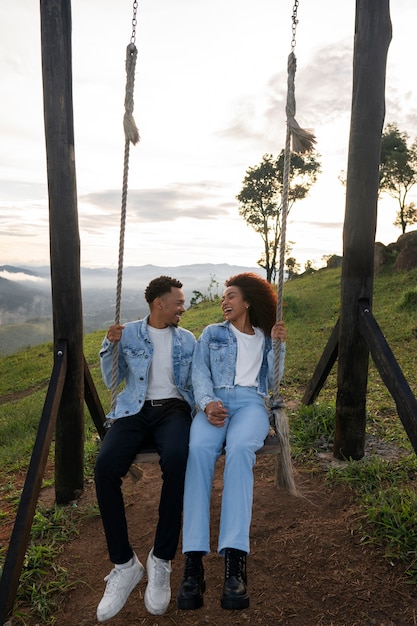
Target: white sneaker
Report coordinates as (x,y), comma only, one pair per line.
(120,584)
(158,590)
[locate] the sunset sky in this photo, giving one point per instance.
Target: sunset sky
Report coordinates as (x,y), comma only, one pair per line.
(210,92)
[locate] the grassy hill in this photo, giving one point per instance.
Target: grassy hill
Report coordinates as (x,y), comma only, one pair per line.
(311,309)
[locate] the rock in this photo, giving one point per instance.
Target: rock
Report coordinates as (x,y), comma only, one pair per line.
(407,239)
(381,255)
(407,255)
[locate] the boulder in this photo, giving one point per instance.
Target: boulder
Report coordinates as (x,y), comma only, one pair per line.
(407,239)
(380,257)
(407,252)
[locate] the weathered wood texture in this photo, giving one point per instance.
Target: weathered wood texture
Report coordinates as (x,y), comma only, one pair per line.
(271,446)
(24,518)
(324,366)
(372,37)
(93,402)
(390,372)
(64,241)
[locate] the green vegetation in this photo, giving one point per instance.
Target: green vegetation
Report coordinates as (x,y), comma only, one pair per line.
(38,588)
(398,172)
(384,487)
(261,199)
(12,336)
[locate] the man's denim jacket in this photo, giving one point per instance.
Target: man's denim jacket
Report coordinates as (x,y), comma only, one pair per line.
(214,364)
(135,355)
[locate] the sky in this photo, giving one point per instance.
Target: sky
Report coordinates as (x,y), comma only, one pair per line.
(209,102)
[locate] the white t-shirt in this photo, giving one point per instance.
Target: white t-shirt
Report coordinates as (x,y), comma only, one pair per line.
(161,382)
(249,357)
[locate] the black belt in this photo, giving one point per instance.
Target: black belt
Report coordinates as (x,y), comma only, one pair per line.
(158,402)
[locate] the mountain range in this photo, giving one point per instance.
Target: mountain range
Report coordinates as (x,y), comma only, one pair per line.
(25,296)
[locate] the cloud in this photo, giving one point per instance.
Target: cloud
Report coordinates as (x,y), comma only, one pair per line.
(323,90)
(24,218)
(16,190)
(204,118)
(324,225)
(200,201)
(21,276)
(323,87)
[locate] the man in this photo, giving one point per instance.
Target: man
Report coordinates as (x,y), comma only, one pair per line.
(154,360)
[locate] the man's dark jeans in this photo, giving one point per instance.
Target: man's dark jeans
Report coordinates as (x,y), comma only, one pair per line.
(168,426)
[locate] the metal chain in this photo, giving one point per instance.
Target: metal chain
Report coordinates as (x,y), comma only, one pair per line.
(294,23)
(134,22)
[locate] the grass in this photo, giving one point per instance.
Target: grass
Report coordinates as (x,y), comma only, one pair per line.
(384,488)
(389,505)
(312,427)
(42,577)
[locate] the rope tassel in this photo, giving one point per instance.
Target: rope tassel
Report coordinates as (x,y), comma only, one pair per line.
(285,475)
(129,124)
(303,140)
(284,472)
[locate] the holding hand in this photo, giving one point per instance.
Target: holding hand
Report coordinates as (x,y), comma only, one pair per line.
(278,331)
(114,332)
(216,413)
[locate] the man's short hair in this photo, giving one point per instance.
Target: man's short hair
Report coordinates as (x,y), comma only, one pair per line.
(160,286)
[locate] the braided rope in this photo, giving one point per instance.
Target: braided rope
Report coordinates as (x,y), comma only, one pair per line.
(131,136)
(284,213)
(302,141)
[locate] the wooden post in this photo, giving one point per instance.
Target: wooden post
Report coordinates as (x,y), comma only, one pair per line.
(64,242)
(372,37)
(19,539)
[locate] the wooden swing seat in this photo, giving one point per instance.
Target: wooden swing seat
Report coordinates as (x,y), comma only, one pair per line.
(271,446)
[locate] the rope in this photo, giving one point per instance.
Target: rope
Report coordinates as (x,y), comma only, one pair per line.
(280,288)
(302,141)
(131,136)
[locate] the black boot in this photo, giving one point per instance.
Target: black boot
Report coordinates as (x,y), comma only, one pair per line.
(235,595)
(193,585)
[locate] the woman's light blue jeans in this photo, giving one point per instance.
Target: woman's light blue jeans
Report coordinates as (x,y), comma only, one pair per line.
(244,432)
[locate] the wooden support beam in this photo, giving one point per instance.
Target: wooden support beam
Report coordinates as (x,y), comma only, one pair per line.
(24,518)
(372,37)
(390,371)
(324,366)
(64,241)
(93,402)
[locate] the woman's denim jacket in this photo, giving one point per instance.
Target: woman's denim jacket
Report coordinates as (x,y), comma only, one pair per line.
(214,363)
(135,356)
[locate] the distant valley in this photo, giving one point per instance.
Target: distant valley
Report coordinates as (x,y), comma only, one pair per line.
(25,297)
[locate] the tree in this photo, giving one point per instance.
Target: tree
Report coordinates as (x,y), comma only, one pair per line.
(406,217)
(309,267)
(293,268)
(260,201)
(398,172)
(197,297)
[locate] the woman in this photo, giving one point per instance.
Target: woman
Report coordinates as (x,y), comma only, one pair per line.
(232,374)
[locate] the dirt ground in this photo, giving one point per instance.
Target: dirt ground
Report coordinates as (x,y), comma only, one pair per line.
(307,566)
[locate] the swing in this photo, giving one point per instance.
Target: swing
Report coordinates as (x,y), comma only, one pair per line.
(302,141)
(277,441)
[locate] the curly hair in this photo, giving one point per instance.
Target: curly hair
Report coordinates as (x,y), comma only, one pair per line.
(261,297)
(159,287)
